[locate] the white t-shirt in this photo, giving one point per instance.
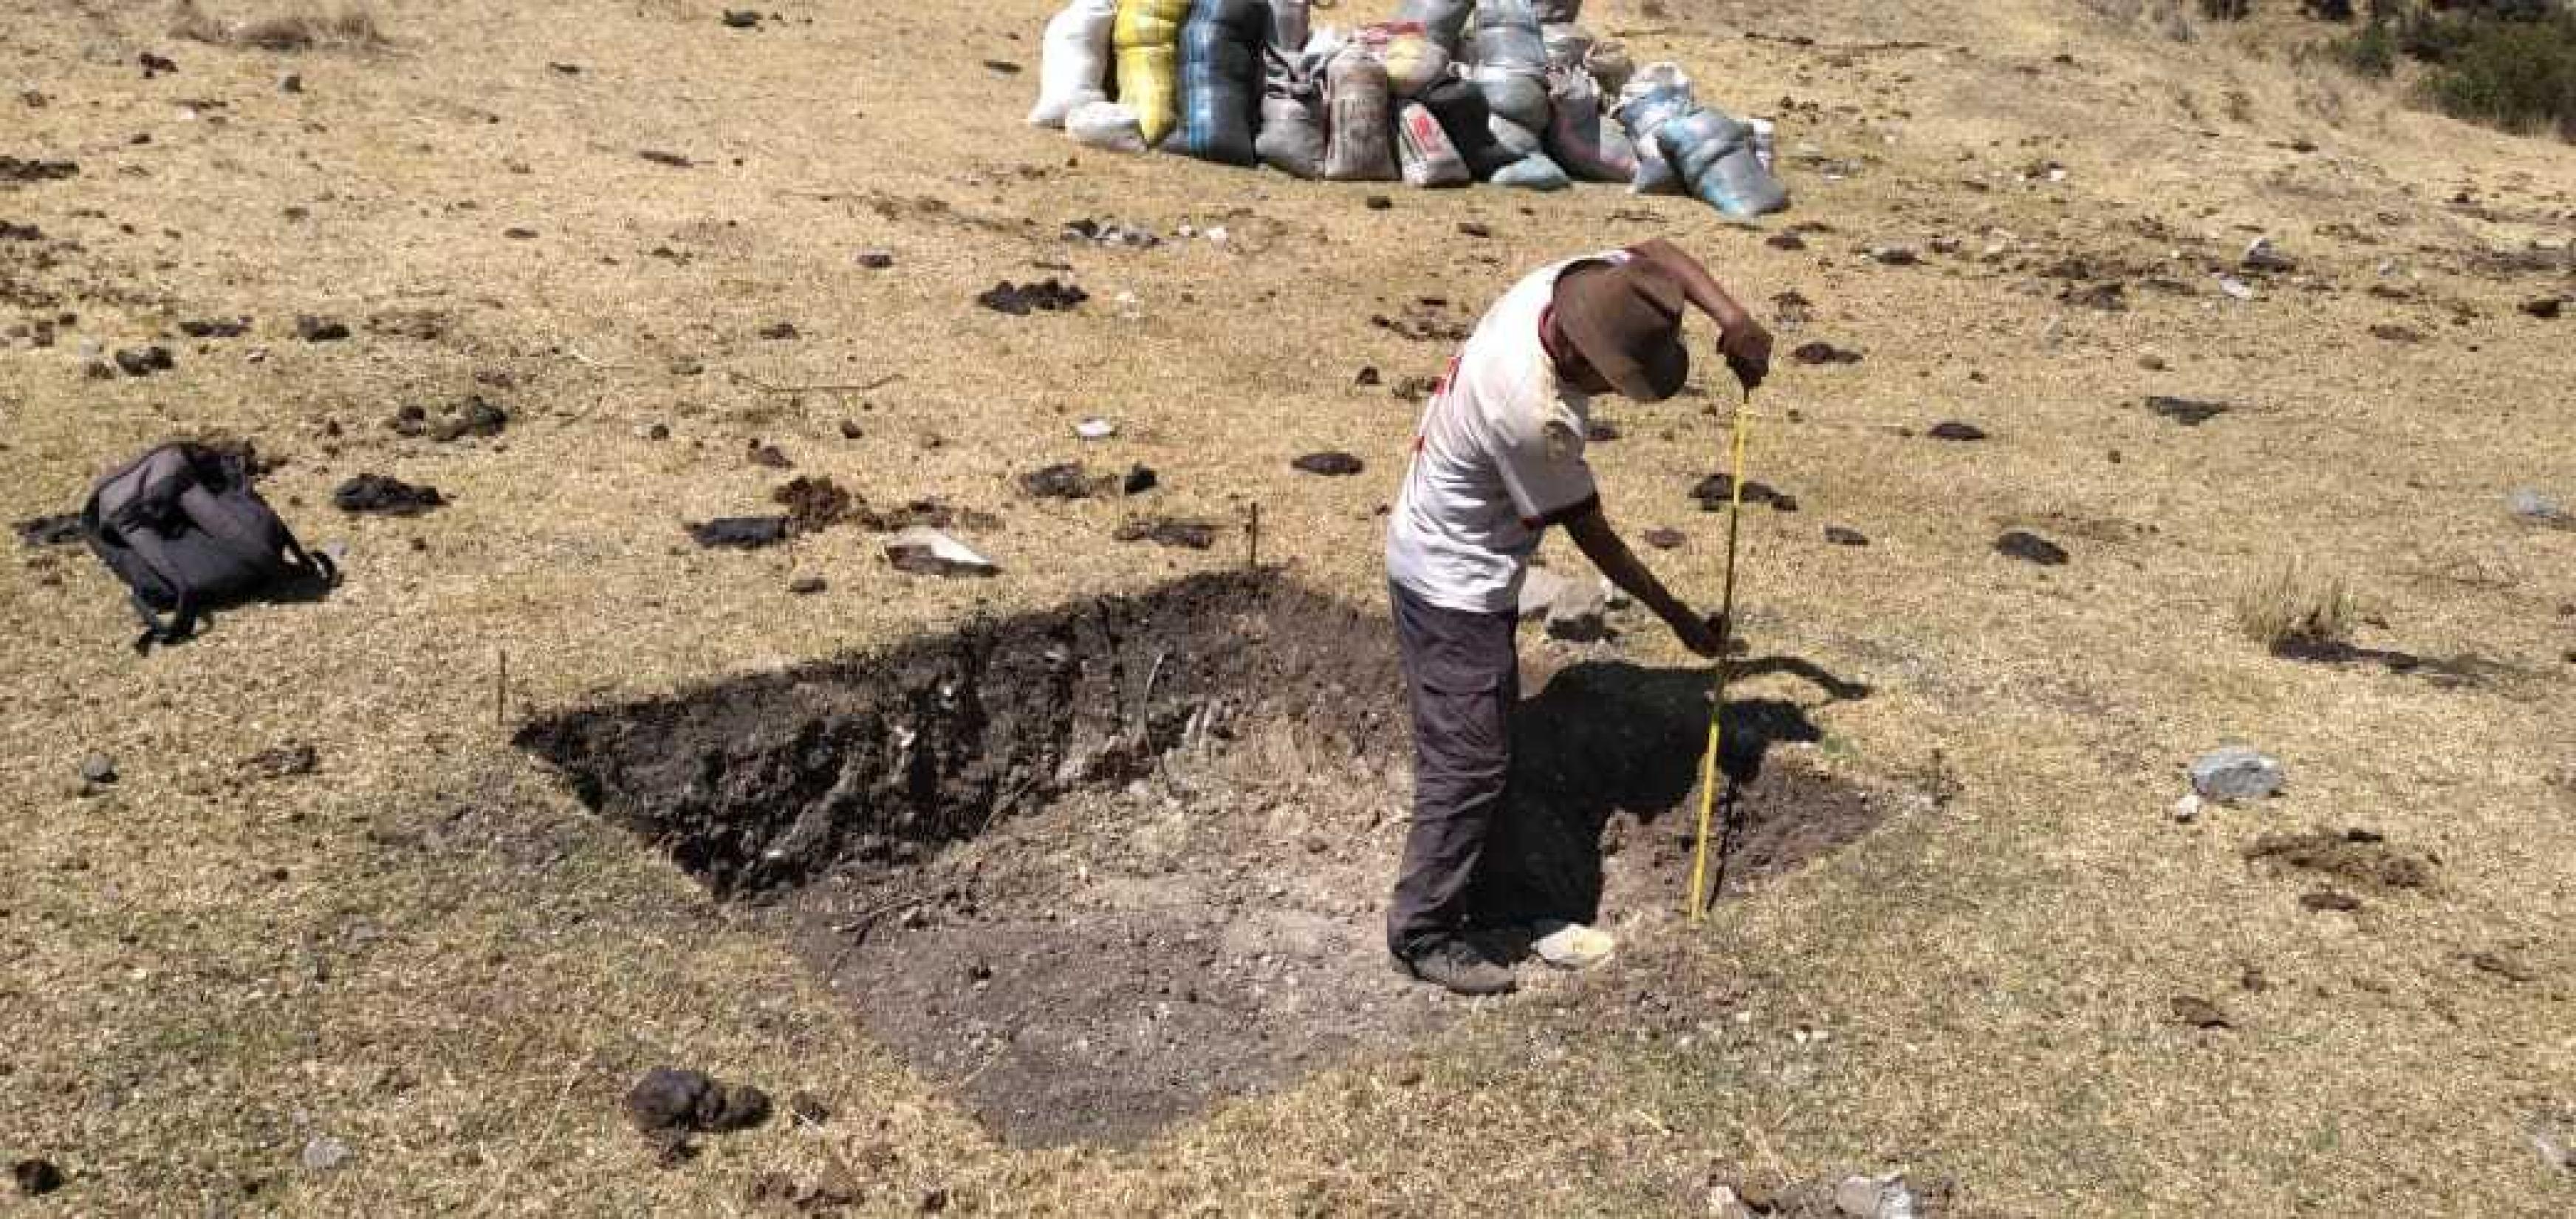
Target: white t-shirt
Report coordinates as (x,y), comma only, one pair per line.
(1499,457)
(1498,460)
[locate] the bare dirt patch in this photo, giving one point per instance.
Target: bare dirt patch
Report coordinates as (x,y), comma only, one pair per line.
(2360,858)
(1099,868)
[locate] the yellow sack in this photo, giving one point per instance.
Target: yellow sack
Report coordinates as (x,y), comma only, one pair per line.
(1148,38)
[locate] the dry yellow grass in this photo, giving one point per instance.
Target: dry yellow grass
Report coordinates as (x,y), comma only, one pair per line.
(430,951)
(2285,604)
(298,28)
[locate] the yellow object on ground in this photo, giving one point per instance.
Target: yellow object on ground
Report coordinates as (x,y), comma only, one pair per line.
(1148,40)
(1572,945)
(1708,771)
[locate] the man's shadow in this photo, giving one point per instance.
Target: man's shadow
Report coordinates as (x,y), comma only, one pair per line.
(1610,737)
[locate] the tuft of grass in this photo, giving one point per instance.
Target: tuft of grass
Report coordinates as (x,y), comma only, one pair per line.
(300,28)
(2286,607)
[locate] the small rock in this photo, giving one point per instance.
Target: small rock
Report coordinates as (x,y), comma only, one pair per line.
(778,331)
(2187,809)
(770,456)
(383,495)
(808,1109)
(2236,773)
(1956,431)
(876,260)
(2031,548)
(1840,536)
(2529,504)
(1095,429)
(1330,464)
(1823,353)
(1139,480)
(1894,256)
(313,329)
(2554,1151)
(1717,491)
(2235,288)
(1377,203)
(2189,412)
(1184,535)
(1368,377)
(670,1101)
(322,1153)
(850,430)
(2264,256)
(921,550)
(290,83)
(739,532)
(1018,300)
(1578,613)
(2391,333)
(1539,589)
(2546,308)
(1785,241)
(98,768)
(143,361)
(1724,1204)
(36,1177)
(1859,1197)
(2322,900)
(2152,362)
(741,19)
(1664,539)
(1471,228)
(2199,1013)
(806,586)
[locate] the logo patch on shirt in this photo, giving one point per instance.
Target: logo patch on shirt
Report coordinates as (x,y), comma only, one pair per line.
(1562,443)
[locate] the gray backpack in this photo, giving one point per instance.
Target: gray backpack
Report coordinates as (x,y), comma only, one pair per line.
(183,529)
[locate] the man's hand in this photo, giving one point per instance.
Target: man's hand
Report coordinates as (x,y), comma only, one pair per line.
(1705,637)
(1747,348)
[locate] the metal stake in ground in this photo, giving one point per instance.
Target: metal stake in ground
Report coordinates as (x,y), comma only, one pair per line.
(1708,764)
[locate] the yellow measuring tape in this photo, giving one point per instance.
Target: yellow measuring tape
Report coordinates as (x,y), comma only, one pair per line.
(1717,702)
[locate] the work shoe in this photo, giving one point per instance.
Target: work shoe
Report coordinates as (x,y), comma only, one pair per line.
(1571,945)
(1458,967)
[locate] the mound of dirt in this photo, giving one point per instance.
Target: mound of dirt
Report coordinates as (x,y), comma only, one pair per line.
(2359,858)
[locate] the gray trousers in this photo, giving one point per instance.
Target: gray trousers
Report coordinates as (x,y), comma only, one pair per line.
(1464,673)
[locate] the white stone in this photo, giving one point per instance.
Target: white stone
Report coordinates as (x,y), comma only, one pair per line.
(935,553)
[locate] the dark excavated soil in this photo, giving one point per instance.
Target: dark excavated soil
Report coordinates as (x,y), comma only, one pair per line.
(1098,868)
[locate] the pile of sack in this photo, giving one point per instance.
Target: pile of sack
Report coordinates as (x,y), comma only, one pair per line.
(1450,92)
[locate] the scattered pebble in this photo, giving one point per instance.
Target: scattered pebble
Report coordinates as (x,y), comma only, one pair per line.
(283,762)
(2530,505)
(1471,228)
(2264,256)
(1330,463)
(1165,531)
(1066,480)
(1377,203)
(322,1153)
(806,586)
(1955,430)
(2546,308)
(1095,429)
(313,329)
(741,19)
(1823,353)
(659,157)
(383,495)
(143,361)
(921,550)
(1785,241)
(2031,548)
(2236,773)
(471,417)
(1840,536)
(1018,300)
(1139,480)
(876,260)
(2189,412)
(98,768)
(671,1101)
(2235,288)
(739,532)
(808,1109)
(1664,539)
(2329,900)
(1716,491)
(2187,809)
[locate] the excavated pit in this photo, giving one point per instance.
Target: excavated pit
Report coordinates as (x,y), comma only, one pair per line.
(1097,868)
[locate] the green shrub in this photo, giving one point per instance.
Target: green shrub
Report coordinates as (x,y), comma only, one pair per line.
(2515,74)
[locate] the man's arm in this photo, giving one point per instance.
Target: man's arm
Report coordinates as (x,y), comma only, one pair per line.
(1744,341)
(1602,544)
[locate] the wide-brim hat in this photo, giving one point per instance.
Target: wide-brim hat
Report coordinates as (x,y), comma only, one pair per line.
(1625,320)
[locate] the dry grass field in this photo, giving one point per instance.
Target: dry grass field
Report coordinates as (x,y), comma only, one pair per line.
(425,952)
